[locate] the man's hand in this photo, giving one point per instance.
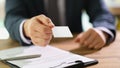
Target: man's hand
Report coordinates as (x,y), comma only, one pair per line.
(93,38)
(39,30)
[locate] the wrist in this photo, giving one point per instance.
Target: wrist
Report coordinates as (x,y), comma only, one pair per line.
(106,35)
(25,29)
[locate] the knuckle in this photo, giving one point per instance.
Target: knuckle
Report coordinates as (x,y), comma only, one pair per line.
(34,18)
(42,15)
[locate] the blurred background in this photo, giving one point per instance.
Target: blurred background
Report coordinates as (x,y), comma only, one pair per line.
(113,5)
(3,32)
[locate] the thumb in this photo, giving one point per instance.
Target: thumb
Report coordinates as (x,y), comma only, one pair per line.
(51,23)
(77,39)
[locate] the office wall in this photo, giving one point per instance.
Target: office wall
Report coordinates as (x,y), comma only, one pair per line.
(3,32)
(112,3)
(2,13)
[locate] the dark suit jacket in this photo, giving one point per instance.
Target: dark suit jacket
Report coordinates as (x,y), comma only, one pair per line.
(18,10)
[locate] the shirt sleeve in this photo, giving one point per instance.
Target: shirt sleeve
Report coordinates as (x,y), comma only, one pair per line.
(24,39)
(111,35)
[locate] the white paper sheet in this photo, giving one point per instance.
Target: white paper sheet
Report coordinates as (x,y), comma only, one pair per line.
(61,32)
(51,57)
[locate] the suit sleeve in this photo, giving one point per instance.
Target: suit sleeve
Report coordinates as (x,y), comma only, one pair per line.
(16,12)
(100,16)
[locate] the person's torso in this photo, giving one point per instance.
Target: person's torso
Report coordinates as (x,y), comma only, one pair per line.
(73,11)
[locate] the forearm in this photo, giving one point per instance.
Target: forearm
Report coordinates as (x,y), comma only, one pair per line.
(101,17)
(14,30)
(15,14)
(107,25)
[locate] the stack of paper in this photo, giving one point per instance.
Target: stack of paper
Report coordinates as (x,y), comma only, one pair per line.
(51,57)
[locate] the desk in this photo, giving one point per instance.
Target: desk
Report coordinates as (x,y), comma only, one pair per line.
(108,57)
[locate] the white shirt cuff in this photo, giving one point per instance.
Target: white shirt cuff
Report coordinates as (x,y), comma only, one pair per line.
(107,31)
(25,40)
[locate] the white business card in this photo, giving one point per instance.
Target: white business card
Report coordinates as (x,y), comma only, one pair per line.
(61,32)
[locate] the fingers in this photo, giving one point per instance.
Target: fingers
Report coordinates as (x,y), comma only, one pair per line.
(41,38)
(40,42)
(43,33)
(50,23)
(36,27)
(77,39)
(83,37)
(91,39)
(39,29)
(42,19)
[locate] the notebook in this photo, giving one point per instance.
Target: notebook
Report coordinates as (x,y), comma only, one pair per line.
(51,57)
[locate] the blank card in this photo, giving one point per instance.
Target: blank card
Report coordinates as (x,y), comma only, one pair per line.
(61,32)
